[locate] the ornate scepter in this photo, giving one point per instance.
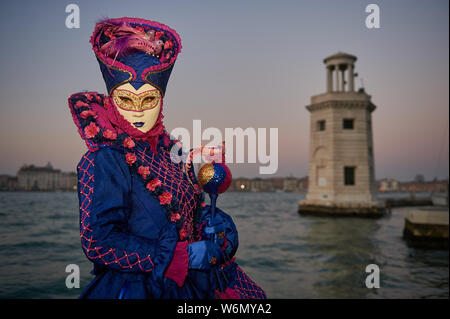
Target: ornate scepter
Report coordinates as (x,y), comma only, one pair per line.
(214,178)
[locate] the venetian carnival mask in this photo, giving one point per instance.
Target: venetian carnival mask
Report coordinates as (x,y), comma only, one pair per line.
(139,107)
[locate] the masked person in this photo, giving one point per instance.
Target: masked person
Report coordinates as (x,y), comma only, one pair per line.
(143,220)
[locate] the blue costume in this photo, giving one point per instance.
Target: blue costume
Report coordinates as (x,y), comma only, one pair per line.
(143,220)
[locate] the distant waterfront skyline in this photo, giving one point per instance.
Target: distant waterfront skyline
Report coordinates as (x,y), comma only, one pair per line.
(243,64)
(419,178)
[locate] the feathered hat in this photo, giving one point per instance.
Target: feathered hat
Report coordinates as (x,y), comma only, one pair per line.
(135,51)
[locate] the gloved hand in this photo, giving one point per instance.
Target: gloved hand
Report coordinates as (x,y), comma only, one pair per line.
(222,228)
(203,254)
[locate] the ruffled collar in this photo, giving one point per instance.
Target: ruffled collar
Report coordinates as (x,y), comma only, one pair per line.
(99,122)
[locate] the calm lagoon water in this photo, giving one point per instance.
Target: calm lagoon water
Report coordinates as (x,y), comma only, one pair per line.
(290,256)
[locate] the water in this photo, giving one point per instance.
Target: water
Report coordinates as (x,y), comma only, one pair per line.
(288,255)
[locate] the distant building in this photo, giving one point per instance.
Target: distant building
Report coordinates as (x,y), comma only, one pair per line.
(240,184)
(46,178)
(261,185)
(303,184)
(287,184)
(430,186)
(388,185)
(290,184)
(68,181)
(8,183)
(251,185)
(277,182)
(341,165)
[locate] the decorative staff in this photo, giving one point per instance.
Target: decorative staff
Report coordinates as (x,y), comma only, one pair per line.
(214,178)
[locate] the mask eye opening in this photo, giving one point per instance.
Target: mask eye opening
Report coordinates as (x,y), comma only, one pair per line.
(125,99)
(149,99)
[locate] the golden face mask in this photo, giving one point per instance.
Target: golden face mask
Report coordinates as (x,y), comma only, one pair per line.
(130,101)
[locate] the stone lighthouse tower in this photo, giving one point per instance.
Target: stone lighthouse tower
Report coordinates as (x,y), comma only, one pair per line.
(341,165)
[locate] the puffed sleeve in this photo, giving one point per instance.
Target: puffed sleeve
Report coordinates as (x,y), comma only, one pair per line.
(104,194)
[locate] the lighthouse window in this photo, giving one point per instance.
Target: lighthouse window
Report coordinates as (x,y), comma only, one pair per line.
(321,125)
(349,175)
(348,124)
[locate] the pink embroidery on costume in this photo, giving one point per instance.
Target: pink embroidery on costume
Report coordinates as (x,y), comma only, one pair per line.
(165,198)
(200,230)
(225,244)
(109,135)
(144,171)
(91,130)
(129,143)
(86,114)
(153,184)
(175,217)
(183,233)
(130,158)
(168,44)
(80,103)
(247,288)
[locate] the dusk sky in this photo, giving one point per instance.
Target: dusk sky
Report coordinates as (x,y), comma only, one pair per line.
(243,64)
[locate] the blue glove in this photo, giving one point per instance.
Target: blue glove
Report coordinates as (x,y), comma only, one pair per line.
(221,228)
(203,254)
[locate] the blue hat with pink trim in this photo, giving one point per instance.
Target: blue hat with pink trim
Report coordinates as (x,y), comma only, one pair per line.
(135,51)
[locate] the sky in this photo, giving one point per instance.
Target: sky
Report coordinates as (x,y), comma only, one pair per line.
(243,64)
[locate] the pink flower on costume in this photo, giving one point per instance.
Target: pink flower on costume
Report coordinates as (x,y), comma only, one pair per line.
(153,184)
(91,130)
(109,134)
(80,104)
(131,158)
(86,114)
(144,171)
(168,45)
(165,198)
(128,142)
(175,217)
(158,35)
(183,233)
